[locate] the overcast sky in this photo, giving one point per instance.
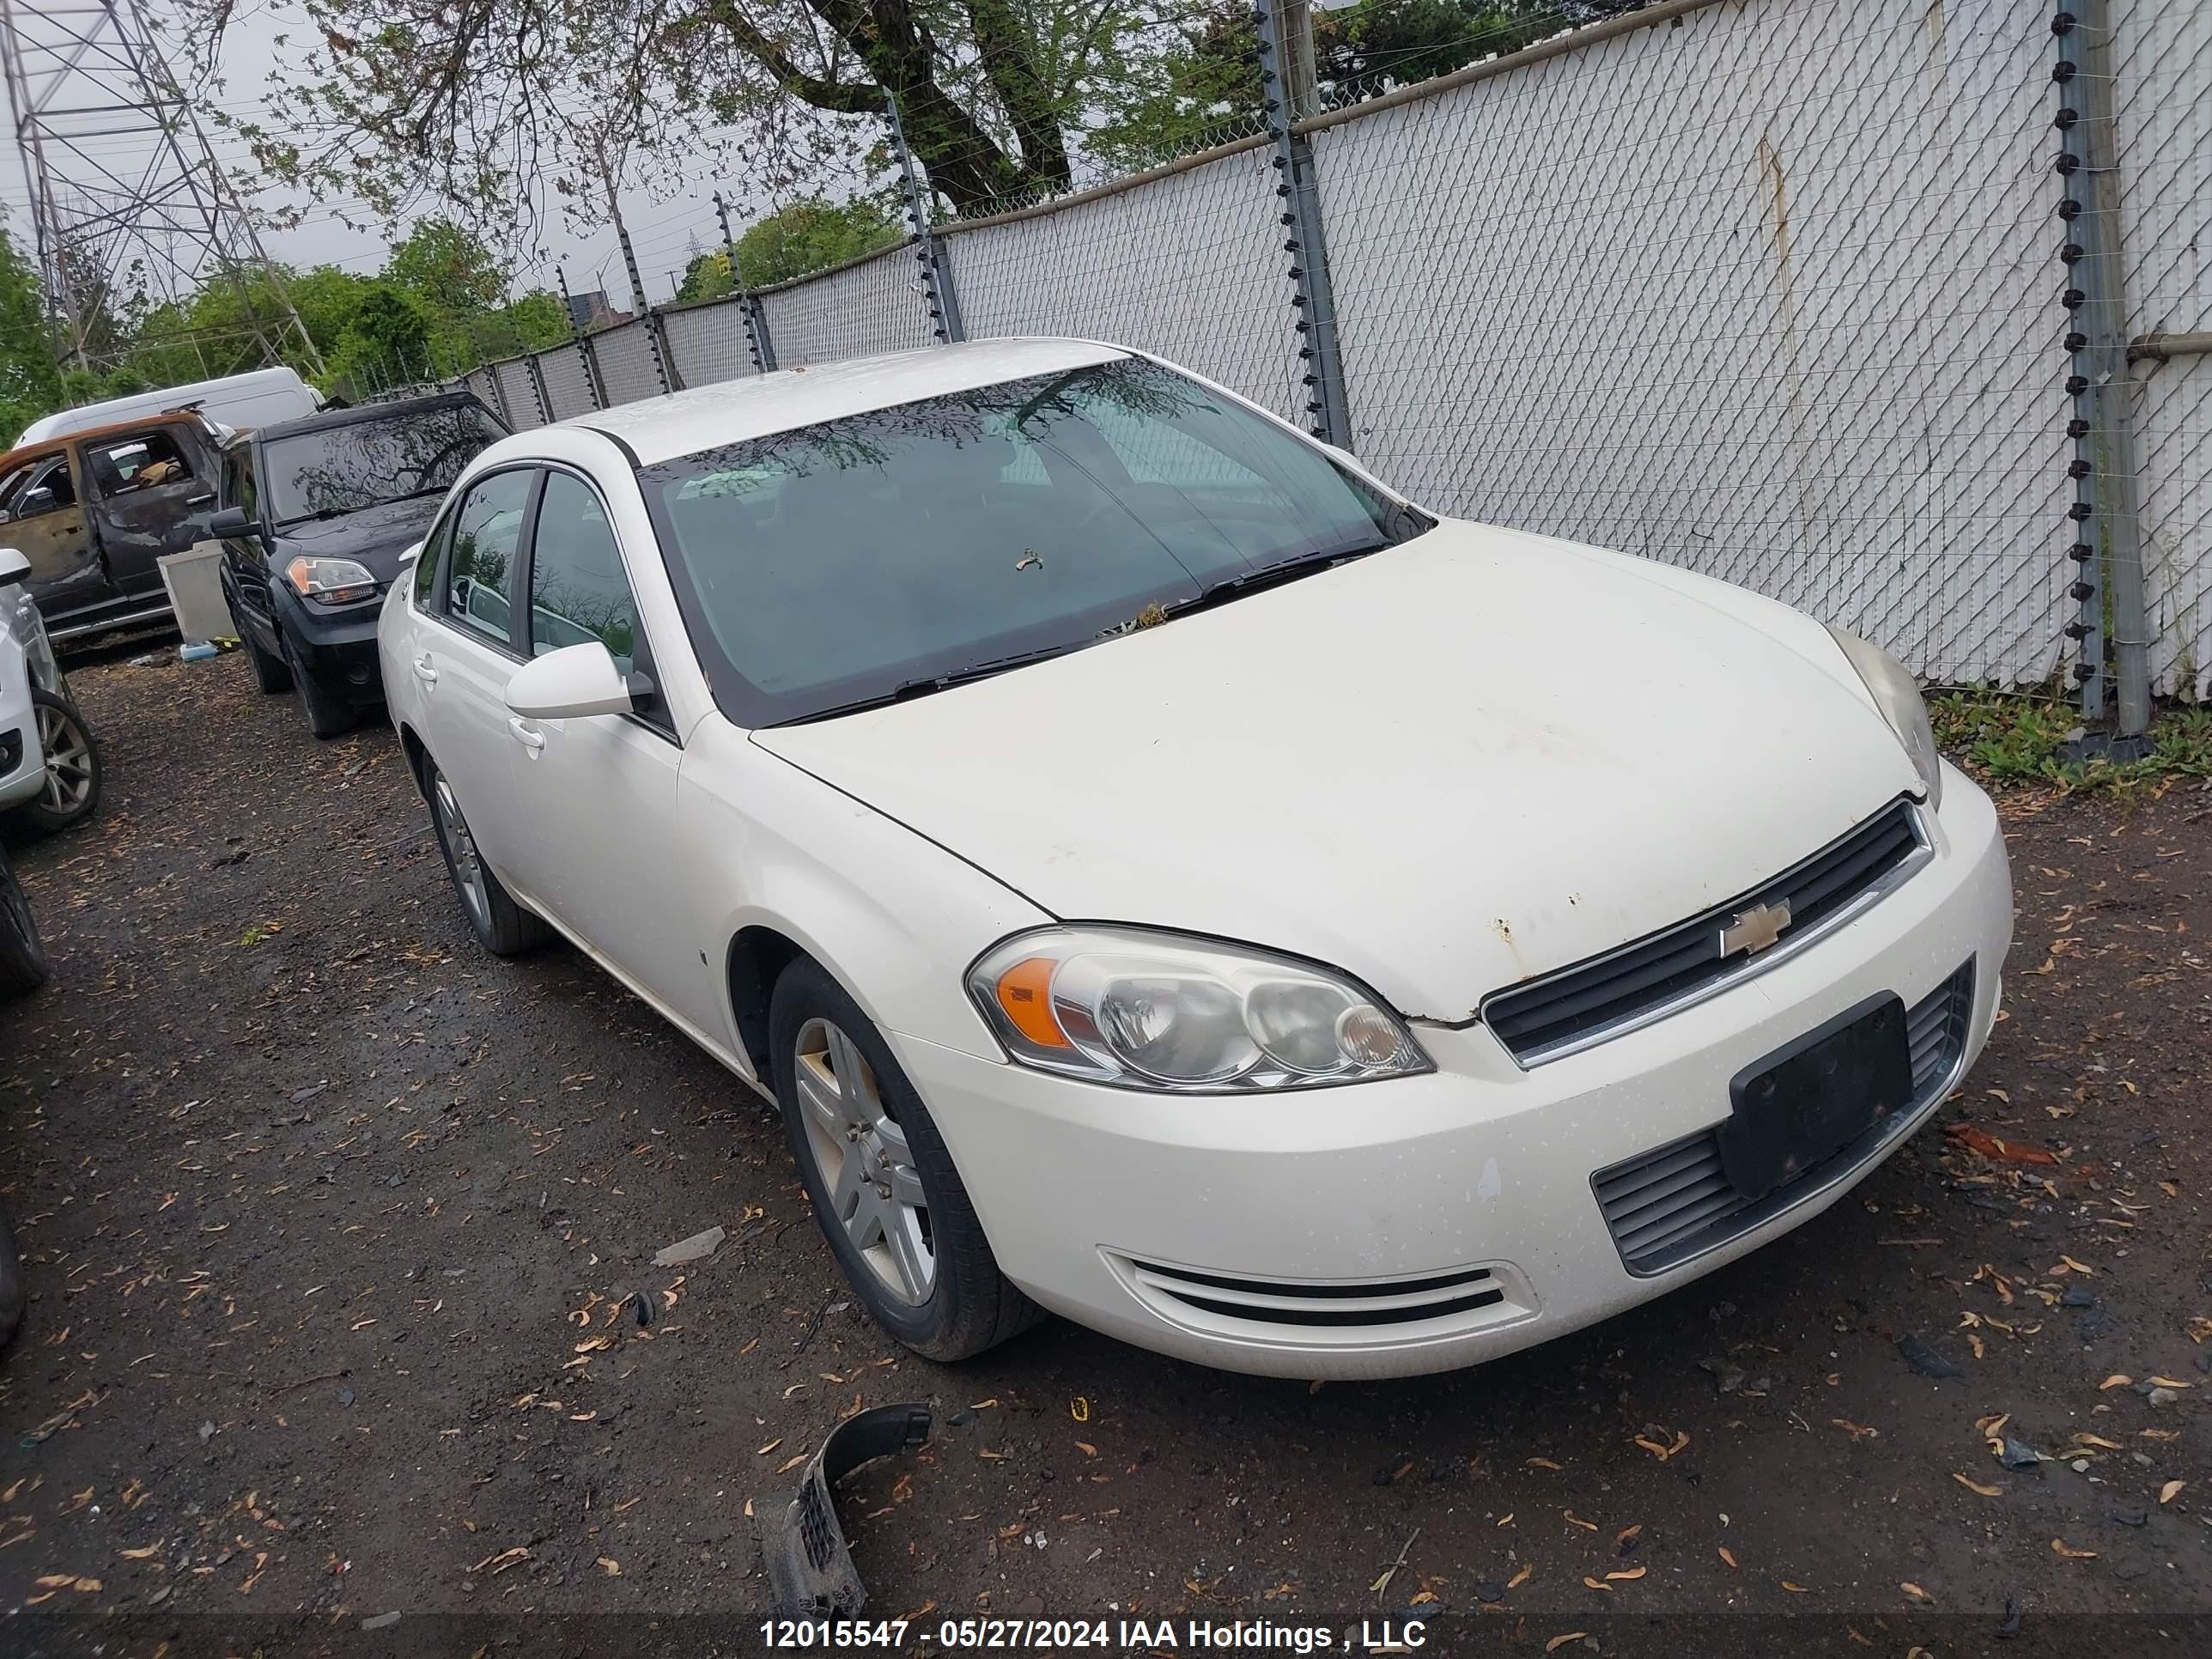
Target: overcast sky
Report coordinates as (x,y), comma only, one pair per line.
(662,228)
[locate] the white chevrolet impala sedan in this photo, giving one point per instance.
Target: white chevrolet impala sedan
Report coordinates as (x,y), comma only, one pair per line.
(1165,876)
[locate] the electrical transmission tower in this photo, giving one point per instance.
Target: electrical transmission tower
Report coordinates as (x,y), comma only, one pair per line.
(128,204)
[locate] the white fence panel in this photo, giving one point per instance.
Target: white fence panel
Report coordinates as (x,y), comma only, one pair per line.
(626,364)
(858,311)
(568,382)
(708,342)
(1768,292)
(2163,76)
(1190,266)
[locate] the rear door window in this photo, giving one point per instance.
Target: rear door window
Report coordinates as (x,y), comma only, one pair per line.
(487,534)
(122,466)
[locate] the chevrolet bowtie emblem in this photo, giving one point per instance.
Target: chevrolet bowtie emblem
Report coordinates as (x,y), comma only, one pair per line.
(1754,929)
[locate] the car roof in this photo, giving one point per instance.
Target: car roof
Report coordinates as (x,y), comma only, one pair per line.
(353,414)
(756,405)
(39,446)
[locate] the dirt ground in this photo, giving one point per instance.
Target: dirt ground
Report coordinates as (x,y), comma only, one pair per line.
(331,1223)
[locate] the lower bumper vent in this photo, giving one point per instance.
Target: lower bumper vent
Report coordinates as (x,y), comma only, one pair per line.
(1667,1205)
(1329,1311)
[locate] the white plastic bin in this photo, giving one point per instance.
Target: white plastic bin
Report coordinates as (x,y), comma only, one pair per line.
(195,583)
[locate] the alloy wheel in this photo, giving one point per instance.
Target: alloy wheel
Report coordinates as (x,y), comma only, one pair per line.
(67,783)
(468,867)
(865,1162)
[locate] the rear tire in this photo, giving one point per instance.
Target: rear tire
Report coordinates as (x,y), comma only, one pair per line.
(70,792)
(327,717)
(23,966)
(501,927)
(941,1291)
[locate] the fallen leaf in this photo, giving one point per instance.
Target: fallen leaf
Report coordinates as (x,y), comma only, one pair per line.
(2117,1380)
(1595,1583)
(154,1549)
(1995,1147)
(1558,1642)
(984,1404)
(1540,1463)
(1975,1486)
(2077,1267)
(1627,1573)
(2058,1547)
(1915,1591)
(2097,1440)
(1857,1430)
(2169,1382)
(1086,1449)
(790,1463)
(1574,1520)
(770,1447)
(609,1566)
(2170,1490)
(1795,1589)
(1527,1572)
(1727,1555)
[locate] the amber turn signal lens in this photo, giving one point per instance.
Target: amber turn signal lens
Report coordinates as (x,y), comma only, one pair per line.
(1024,991)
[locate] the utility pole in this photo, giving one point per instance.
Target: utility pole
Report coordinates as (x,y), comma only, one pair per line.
(584,352)
(936,273)
(749,305)
(81,75)
(1292,92)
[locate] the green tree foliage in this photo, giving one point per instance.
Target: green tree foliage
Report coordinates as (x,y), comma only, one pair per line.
(812,235)
(29,386)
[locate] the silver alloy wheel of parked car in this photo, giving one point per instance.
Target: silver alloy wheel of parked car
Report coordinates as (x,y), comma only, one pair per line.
(468,868)
(865,1162)
(69,779)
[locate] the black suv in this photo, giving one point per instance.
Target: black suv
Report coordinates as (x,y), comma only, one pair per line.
(316,512)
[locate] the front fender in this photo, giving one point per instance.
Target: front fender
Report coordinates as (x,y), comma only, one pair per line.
(892,915)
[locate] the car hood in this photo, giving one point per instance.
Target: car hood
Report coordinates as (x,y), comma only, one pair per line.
(1462,761)
(374,537)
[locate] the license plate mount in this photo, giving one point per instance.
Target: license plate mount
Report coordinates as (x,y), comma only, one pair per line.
(1805,1102)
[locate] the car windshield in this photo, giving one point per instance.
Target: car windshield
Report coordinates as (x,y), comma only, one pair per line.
(383,458)
(873,555)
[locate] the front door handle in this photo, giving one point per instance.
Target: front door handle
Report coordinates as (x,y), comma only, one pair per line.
(423,672)
(527,734)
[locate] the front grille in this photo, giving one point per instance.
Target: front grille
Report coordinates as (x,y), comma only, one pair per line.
(1335,1304)
(1565,1010)
(1665,1206)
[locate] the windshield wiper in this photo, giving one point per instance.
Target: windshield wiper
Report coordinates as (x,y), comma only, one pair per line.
(1271,576)
(921,686)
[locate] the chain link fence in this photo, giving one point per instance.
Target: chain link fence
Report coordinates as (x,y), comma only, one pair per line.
(1772,289)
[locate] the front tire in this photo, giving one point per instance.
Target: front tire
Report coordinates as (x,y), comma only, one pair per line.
(269,674)
(501,927)
(23,965)
(69,792)
(327,717)
(882,1183)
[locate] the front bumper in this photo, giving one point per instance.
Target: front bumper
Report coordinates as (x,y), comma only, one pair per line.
(1290,1234)
(339,648)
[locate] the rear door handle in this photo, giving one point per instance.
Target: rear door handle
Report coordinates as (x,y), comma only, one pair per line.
(525,734)
(424,673)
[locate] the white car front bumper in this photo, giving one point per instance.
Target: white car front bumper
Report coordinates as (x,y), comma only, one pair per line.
(1427,1222)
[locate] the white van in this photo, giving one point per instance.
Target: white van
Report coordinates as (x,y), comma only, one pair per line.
(260,398)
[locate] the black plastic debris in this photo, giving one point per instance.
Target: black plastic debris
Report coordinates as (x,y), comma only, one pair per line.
(1925,1360)
(2130,1517)
(2013,1615)
(810,1571)
(2075,1296)
(2019,1454)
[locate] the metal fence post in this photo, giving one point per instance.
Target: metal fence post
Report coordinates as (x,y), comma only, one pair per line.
(2107,544)
(538,391)
(1288,76)
(936,272)
(585,355)
(749,306)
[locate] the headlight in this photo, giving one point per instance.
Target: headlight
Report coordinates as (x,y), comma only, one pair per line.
(1896,694)
(1155,1010)
(330,581)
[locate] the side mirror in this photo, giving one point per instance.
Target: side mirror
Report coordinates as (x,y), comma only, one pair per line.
(229,521)
(408,558)
(14,566)
(569,683)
